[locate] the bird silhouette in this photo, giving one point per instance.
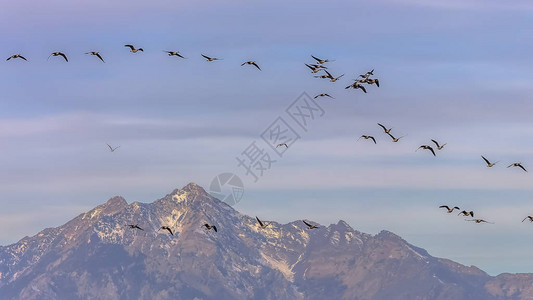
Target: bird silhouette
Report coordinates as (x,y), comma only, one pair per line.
(263,225)
(439,147)
(395,140)
(517,165)
(132,49)
(251,62)
(174,53)
(489,164)
(450,210)
(467,213)
(208,227)
(427,147)
(167,228)
(134,226)
(309,225)
(97,54)
(366,137)
(58,54)
(211,58)
(323,95)
(16,56)
(111,148)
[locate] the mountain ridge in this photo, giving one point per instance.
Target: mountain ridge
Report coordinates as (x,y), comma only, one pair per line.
(95,255)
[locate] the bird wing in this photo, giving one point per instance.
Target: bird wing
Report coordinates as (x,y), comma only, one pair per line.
(377,82)
(206,57)
(215,228)
(23,57)
(329,96)
(385,129)
(373,139)
(243,63)
(432,151)
(435,143)
(100,57)
(444,206)
(9,58)
(391,136)
(110,148)
(363,88)
(317,59)
(310,67)
(307,223)
(522,167)
(524,219)
(456,207)
(256,66)
(169,230)
(179,55)
(64,56)
(260,223)
(329,75)
(130,46)
(486,160)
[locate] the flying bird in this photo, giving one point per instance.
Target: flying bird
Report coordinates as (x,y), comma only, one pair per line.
(321,61)
(479,221)
(211,58)
(111,148)
(16,56)
(331,78)
(323,95)
(367,74)
(309,225)
(282,144)
(395,140)
(58,54)
(356,85)
(489,164)
(314,68)
(251,62)
(528,217)
(426,147)
(467,213)
(97,54)
(135,227)
(132,49)
(450,210)
(439,147)
(385,128)
(208,227)
(517,165)
(174,53)
(263,225)
(366,137)
(372,81)
(167,228)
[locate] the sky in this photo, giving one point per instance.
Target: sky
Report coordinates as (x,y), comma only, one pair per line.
(455,71)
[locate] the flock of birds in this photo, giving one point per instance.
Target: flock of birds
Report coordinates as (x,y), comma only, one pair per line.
(317,67)
(439,147)
(132,50)
(261,224)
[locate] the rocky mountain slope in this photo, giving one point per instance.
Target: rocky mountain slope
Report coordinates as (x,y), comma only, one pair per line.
(95,256)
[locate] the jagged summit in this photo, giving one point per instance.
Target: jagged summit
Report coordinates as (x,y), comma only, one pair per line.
(97,256)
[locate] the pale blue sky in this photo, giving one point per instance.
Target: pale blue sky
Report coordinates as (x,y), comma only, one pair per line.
(455,71)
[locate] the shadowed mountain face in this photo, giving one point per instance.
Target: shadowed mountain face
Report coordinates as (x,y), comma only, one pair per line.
(96,256)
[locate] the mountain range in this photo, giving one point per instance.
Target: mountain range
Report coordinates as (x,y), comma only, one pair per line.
(97,256)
